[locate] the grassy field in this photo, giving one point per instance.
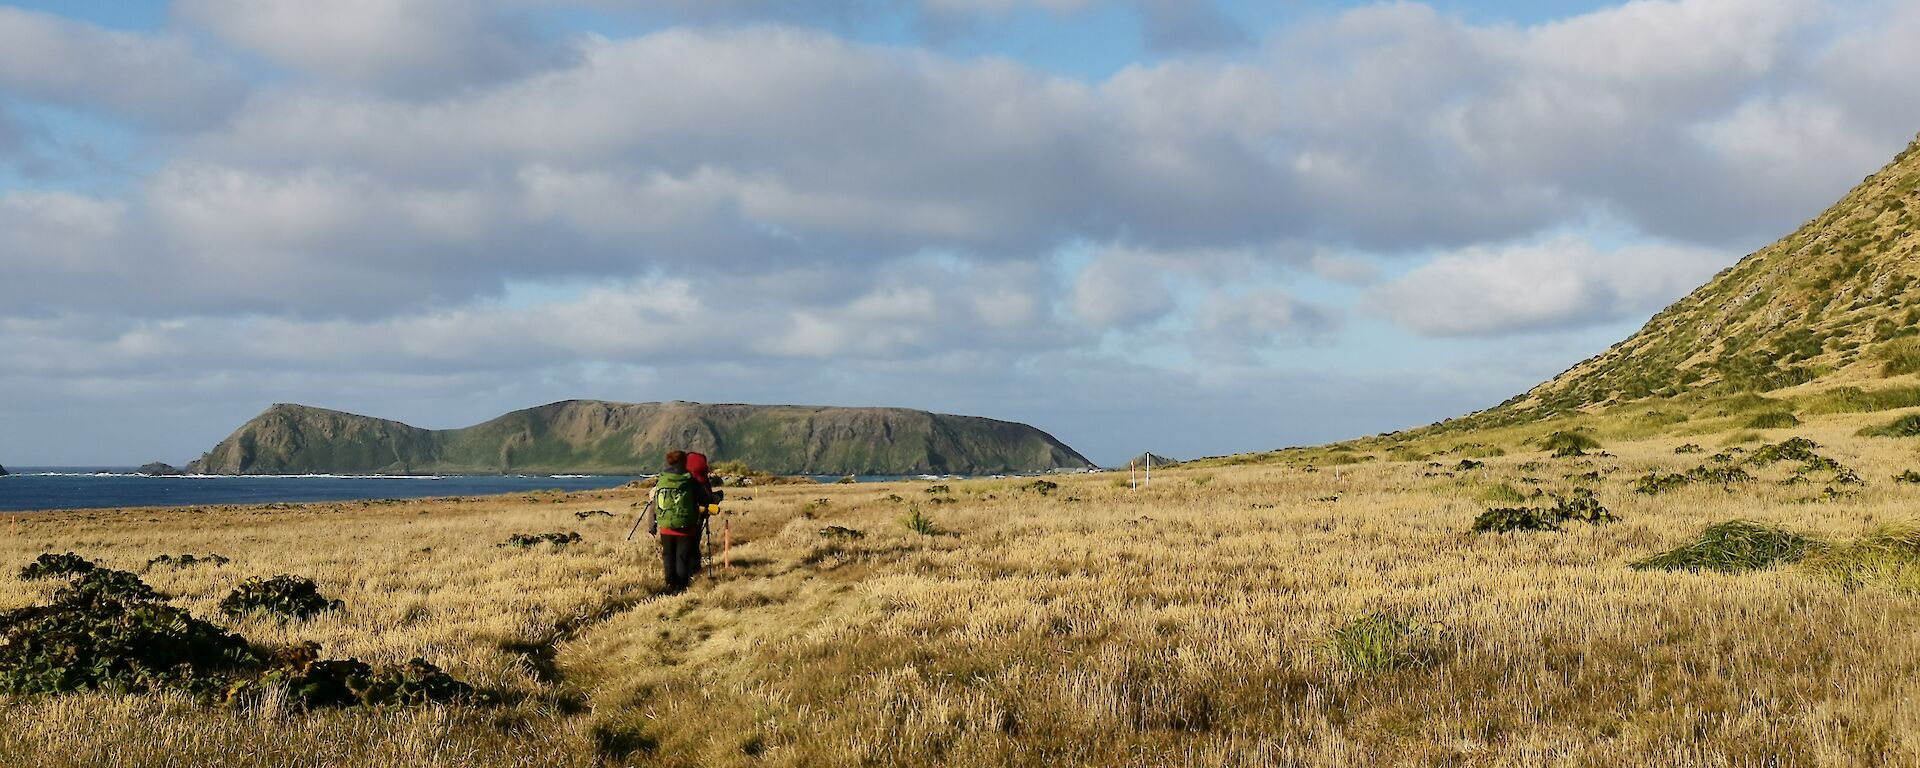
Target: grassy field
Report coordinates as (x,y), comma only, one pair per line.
(1191,623)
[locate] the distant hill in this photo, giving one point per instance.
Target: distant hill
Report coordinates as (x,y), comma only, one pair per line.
(593,437)
(1150,458)
(1836,303)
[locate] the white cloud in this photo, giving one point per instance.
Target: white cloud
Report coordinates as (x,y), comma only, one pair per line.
(398,45)
(157,79)
(1561,283)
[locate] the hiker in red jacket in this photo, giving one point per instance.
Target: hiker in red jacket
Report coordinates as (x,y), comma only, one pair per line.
(697,467)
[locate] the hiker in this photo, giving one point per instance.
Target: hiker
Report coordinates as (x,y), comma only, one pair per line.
(679,503)
(697,467)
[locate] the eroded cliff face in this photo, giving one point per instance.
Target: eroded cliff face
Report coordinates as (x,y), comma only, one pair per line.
(601,437)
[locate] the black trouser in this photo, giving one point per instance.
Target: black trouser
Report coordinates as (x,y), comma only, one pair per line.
(681,557)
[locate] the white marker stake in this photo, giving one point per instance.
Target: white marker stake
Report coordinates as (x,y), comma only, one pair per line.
(1149,460)
(1133,475)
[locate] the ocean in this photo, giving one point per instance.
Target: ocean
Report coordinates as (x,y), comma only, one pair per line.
(40,488)
(37,488)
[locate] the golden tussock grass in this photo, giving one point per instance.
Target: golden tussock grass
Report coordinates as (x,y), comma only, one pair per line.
(1187,624)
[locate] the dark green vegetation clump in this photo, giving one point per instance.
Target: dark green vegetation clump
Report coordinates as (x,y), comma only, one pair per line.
(1791,449)
(1688,448)
(1908,476)
(316,682)
(186,561)
(1467,465)
(592,513)
(1578,506)
(1568,443)
(1905,426)
(529,540)
(49,566)
(1379,642)
(283,595)
(1042,487)
(109,631)
(1510,519)
(1734,546)
(842,532)
(1723,475)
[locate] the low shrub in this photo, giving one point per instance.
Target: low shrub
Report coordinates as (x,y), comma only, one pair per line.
(1908,476)
(938,489)
(592,513)
(284,595)
(1688,448)
(1734,546)
(1468,464)
(1379,642)
(842,532)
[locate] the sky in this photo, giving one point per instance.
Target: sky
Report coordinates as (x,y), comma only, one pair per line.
(1194,227)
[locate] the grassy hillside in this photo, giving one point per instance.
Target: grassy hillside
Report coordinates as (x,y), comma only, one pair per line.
(617,438)
(1836,303)
(1275,614)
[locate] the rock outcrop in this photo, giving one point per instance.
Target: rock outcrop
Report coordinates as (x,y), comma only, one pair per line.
(160,469)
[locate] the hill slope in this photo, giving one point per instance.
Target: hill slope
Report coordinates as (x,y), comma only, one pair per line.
(1833,303)
(618,438)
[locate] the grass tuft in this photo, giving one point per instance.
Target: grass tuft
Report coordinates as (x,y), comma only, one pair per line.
(1773,420)
(1889,558)
(1380,642)
(919,523)
(1905,426)
(1735,546)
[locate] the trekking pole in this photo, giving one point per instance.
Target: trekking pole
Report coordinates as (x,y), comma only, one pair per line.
(706,539)
(726,548)
(636,521)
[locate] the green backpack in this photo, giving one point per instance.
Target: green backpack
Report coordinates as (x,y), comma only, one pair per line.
(674,504)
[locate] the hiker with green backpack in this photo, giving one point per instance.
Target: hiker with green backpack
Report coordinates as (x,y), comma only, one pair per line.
(679,505)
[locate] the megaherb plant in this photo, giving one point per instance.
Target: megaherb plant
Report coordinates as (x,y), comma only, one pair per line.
(1579,505)
(110,631)
(287,596)
(529,540)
